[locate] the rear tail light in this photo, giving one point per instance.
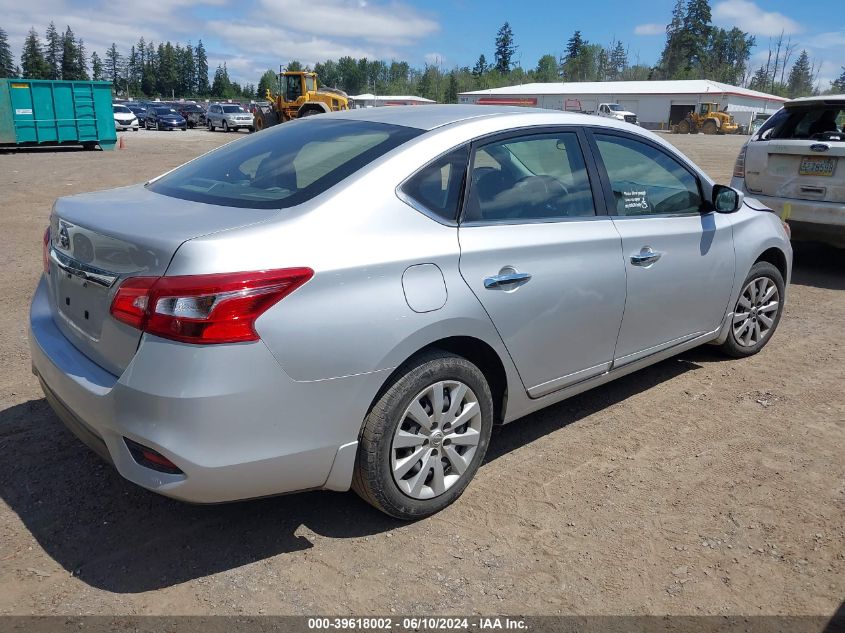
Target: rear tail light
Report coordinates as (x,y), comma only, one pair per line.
(204,309)
(739,166)
(45,252)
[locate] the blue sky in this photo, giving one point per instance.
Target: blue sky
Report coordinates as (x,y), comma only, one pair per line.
(253,35)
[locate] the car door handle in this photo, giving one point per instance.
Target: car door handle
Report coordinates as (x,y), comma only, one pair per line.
(645,257)
(506,279)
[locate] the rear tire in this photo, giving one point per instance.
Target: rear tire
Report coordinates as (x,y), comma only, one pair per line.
(426,471)
(757,312)
(710,127)
(684,127)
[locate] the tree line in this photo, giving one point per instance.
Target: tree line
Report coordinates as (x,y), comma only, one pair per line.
(694,49)
(145,70)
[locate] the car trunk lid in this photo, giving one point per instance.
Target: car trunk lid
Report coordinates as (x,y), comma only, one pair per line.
(101,238)
(800,169)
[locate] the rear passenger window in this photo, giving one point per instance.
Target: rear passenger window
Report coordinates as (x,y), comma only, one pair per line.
(645,180)
(437,186)
(540,177)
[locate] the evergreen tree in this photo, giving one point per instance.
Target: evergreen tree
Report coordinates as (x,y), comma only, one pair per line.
(188,71)
(697,32)
(839,84)
(113,65)
(618,62)
(202,70)
(53,52)
(7,68)
(573,62)
(505,48)
(96,67)
(33,64)
(69,56)
(672,60)
(294,66)
(481,66)
(81,63)
(452,89)
(222,86)
(800,83)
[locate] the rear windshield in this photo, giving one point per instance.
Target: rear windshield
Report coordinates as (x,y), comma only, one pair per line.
(812,122)
(285,165)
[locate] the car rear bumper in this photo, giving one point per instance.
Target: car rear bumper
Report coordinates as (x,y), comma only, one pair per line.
(824,218)
(228,416)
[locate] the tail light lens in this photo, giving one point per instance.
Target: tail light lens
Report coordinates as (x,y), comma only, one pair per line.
(204,309)
(45,252)
(739,166)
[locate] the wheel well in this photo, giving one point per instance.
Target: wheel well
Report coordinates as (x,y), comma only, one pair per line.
(475,351)
(776,258)
(315,106)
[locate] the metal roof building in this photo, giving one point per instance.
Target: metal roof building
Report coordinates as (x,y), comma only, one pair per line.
(657,104)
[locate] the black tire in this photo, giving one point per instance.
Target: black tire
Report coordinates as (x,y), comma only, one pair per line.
(309,112)
(710,127)
(735,347)
(373,478)
(684,127)
(225,127)
(158,127)
(210,126)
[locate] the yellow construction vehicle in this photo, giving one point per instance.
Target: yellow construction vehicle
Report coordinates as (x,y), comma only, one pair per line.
(298,96)
(710,120)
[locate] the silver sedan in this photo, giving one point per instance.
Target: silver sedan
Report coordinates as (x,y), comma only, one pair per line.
(356,299)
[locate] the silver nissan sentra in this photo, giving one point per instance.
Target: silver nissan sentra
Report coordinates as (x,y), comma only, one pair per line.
(355,299)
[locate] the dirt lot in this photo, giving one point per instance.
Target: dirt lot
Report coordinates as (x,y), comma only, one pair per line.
(698,486)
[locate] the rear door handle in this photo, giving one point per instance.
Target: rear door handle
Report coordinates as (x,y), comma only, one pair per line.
(645,257)
(506,279)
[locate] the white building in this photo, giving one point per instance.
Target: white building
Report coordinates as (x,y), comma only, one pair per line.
(370,101)
(657,104)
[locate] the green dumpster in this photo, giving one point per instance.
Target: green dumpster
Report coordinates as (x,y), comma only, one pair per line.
(36,112)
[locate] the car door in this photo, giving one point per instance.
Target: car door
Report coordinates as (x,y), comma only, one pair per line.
(541,256)
(678,254)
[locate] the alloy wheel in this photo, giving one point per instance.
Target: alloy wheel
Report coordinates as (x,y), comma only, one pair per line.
(756,311)
(436,439)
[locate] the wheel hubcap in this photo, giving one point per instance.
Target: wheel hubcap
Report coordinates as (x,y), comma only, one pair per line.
(436,439)
(755,311)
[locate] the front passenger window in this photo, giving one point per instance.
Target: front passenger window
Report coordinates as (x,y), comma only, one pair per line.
(645,180)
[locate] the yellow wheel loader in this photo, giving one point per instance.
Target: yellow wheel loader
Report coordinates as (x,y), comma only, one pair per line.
(710,120)
(298,96)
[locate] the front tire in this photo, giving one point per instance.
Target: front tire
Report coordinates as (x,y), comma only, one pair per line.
(225,126)
(710,127)
(757,311)
(425,437)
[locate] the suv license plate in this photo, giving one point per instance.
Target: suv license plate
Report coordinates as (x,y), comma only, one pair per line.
(817,166)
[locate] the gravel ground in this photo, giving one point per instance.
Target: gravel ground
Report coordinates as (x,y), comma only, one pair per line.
(698,486)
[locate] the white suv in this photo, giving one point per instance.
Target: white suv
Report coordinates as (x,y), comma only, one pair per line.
(795,164)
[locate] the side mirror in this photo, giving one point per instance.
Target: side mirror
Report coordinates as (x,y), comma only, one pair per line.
(725,199)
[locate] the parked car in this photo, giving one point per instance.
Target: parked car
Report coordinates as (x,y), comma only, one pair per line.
(295,310)
(193,114)
(139,111)
(757,123)
(124,118)
(616,111)
(164,118)
(229,116)
(794,164)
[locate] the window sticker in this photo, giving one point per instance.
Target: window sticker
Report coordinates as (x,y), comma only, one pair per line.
(635,199)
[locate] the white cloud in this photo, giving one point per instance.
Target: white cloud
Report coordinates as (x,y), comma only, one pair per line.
(828,40)
(650,28)
(392,23)
(751,18)
(264,34)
